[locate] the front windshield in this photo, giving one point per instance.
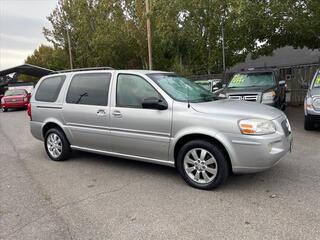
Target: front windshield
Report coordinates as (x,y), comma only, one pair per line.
(317,81)
(244,80)
(182,89)
(15,92)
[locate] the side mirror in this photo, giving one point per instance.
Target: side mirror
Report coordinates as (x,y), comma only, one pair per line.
(154,103)
(215,89)
(282,82)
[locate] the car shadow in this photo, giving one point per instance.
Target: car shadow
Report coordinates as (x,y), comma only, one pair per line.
(235,181)
(16,109)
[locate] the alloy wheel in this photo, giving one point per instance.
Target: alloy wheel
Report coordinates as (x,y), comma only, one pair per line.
(54,145)
(200,166)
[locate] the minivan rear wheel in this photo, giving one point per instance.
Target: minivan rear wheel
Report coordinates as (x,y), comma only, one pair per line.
(202,164)
(57,145)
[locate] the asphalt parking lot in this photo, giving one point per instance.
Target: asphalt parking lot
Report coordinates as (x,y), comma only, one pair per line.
(98,197)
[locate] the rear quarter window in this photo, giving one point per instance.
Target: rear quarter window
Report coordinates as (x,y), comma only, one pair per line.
(49,89)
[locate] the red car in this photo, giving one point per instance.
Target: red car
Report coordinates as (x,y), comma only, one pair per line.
(15,98)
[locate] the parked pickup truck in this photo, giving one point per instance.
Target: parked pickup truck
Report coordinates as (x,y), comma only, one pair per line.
(257,85)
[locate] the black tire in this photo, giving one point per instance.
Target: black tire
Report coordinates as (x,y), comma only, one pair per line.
(221,161)
(308,123)
(66,150)
(4,109)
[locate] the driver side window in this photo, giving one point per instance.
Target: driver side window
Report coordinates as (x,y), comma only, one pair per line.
(132,90)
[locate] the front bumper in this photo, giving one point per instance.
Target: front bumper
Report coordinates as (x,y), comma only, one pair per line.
(14,104)
(250,154)
(314,118)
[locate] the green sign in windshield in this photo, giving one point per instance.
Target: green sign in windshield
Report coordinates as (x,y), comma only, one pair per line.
(238,79)
(318,80)
(244,80)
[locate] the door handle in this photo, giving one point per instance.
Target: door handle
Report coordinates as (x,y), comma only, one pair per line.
(117,113)
(101,112)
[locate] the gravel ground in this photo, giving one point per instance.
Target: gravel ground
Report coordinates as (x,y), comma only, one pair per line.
(98,197)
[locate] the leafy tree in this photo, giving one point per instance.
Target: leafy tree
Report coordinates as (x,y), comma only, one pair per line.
(48,57)
(187,35)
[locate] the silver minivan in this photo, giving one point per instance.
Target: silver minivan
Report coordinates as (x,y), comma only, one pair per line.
(157,117)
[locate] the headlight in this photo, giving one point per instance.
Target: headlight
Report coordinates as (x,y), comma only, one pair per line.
(269,95)
(256,126)
(308,103)
(222,95)
(316,102)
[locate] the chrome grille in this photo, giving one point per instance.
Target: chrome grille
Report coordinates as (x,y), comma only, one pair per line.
(14,100)
(252,97)
(316,102)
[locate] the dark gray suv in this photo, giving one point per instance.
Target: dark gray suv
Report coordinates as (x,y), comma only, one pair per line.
(257,85)
(312,103)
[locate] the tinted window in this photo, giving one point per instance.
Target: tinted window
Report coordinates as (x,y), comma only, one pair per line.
(49,89)
(132,90)
(89,89)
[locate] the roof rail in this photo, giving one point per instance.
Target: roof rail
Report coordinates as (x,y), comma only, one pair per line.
(84,69)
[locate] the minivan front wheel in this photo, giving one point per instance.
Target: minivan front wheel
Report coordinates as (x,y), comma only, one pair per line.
(202,164)
(56,145)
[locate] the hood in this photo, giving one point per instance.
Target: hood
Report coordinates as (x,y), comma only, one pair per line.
(239,109)
(247,89)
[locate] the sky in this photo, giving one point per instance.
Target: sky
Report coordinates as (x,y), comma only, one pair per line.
(21,23)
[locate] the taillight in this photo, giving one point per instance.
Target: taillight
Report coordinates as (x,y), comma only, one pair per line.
(25,99)
(29,111)
(2,101)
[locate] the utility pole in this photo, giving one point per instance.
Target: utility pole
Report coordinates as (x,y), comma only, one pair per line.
(149,33)
(69,48)
(223,49)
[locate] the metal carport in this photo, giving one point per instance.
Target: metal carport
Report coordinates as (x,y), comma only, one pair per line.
(27,69)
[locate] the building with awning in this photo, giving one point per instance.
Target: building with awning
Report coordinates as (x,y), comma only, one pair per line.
(9,76)
(26,69)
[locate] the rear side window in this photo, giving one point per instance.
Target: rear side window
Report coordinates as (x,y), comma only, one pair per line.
(89,89)
(49,89)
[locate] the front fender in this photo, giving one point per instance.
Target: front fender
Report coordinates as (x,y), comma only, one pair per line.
(212,133)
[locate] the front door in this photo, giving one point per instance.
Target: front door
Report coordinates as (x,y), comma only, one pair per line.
(134,130)
(86,111)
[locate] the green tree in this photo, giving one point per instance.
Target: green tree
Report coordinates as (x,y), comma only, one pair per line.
(48,57)
(187,35)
